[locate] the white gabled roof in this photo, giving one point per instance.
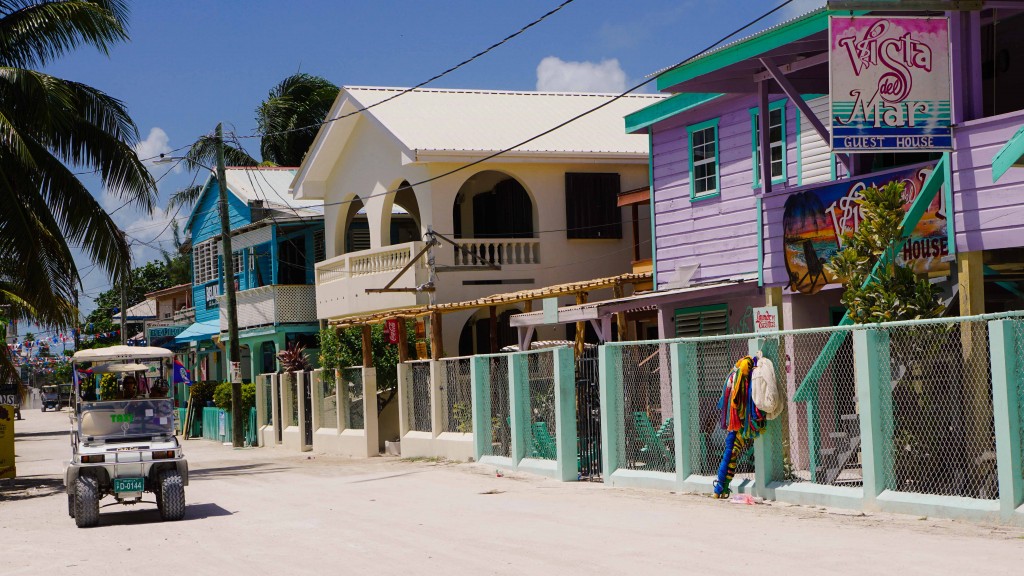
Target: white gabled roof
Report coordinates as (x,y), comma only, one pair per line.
(270,186)
(142,310)
(490,120)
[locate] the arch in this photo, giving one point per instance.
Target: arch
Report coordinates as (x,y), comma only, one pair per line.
(475,335)
(494,204)
(354,233)
(405,223)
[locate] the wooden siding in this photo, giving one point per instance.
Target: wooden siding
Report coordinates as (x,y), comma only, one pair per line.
(988,216)
(719,233)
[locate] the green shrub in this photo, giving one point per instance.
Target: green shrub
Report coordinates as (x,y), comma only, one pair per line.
(109,389)
(222,396)
(202,392)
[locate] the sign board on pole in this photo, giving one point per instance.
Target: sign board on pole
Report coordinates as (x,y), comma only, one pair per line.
(766,319)
(392,326)
(890,83)
(236,372)
(7,469)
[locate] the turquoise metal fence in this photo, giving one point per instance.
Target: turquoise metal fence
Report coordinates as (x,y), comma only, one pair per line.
(216,424)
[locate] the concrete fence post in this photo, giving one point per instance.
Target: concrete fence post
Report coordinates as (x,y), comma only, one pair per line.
(404,395)
(438,408)
(565,409)
(370,411)
(1007,388)
(768,461)
(683,362)
(341,389)
(874,396)
(480,378)
(519,395)
(612,418)
(314,380)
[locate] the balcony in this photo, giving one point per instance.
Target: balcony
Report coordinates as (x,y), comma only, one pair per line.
(183,316)
(270,305)
(341,282)
(501,251)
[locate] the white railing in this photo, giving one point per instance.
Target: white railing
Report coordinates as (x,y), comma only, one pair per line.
(268,305)
(365,262)
(501,251)
(188,314)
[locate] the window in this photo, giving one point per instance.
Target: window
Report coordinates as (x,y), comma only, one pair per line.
(710,320)
(319,247)
(777,144)
(704,181)
(204,262)
(591,206)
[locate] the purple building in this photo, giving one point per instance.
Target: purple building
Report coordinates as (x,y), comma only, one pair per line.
(749,200)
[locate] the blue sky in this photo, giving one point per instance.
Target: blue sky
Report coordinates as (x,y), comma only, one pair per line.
(192,63)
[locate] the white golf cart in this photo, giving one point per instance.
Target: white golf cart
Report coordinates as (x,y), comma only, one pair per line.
(124,447)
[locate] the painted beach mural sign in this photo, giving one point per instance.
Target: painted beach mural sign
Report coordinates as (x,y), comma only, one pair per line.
(890,88)
(818,222)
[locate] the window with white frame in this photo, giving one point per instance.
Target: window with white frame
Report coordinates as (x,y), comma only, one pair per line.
(704,181)
(204,261)
(777,141)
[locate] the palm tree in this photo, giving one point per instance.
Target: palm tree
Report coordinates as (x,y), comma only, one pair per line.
(50,127)
(288,118)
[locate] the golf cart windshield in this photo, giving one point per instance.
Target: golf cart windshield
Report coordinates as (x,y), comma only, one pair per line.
(126,419)
(50,390)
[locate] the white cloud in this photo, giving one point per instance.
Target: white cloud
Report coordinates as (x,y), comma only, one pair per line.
(155,144)
(557,75)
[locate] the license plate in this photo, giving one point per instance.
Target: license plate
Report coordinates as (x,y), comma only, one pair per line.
(129,484)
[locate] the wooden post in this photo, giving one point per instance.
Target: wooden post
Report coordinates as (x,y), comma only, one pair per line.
(620,317)
(636,232)
(581,327)
(527,306)
(403,341)
(367,347)
(435,336)
(494,329)
(971,280)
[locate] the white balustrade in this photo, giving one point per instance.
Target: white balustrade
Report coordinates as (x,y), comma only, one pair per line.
(501,251)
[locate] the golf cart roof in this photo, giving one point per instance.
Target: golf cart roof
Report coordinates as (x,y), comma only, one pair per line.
(115,367)
(122,353)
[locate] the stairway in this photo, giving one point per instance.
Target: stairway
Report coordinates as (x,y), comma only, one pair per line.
(845,447)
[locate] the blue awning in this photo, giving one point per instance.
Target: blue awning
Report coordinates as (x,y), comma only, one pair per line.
(199,331)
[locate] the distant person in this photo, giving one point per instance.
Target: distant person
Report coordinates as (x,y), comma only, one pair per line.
(129,388)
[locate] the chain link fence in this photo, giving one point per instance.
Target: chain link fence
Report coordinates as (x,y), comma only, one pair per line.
(539,406)
(1018,339)
(647,440)
(714,360)
(501,425)
(941,417)
(418,398)
(290,383)
(268,399)
(457,395)
(822,442)
(352,397)
(327,398)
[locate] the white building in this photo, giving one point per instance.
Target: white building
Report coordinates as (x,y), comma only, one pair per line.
(545,211)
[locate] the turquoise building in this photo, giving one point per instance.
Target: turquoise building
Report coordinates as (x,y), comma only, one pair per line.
(276,241)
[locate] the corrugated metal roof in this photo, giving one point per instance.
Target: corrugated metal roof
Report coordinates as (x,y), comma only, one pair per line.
(721,47)
(436,120)
(270,186)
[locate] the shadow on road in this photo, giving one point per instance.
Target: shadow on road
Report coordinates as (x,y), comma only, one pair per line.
(23,435)
(239,470)
(384,477)
(150,515)
(25,487)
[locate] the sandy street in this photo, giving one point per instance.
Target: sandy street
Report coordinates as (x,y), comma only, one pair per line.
(267,511)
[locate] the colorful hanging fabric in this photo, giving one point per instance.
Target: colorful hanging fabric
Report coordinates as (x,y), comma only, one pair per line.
(740,417)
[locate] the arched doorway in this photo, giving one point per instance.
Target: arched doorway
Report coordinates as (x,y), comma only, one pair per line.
(476,333)
(357,227)
(401,217)
(492,204)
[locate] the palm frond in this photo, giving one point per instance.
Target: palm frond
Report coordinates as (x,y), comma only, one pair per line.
(33,33)
(186,196)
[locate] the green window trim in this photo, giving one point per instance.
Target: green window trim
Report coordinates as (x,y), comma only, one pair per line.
(799,150)
(776,105)
(701,311)
(706,194)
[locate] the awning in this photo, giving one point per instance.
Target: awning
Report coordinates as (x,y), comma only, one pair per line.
(1011,154)
(199,331)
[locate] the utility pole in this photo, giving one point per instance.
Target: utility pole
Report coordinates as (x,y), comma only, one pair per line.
(124,310)
(228,278)
(78,327)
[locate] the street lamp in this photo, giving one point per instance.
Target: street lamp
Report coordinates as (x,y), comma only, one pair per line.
(234,354)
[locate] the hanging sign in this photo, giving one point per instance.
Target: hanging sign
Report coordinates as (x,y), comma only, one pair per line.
(890,85)
(818,222)
(392,326)
(766,319)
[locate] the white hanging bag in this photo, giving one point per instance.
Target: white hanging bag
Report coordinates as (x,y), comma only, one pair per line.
(764,388)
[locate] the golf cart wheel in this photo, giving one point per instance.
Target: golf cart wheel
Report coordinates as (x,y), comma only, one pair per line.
(87,502)
(71,504)
(171,496)
(44,408)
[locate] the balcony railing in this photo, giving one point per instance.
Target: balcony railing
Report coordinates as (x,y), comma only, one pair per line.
(269,305)
(501,251)
(342,282)
(184,315)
